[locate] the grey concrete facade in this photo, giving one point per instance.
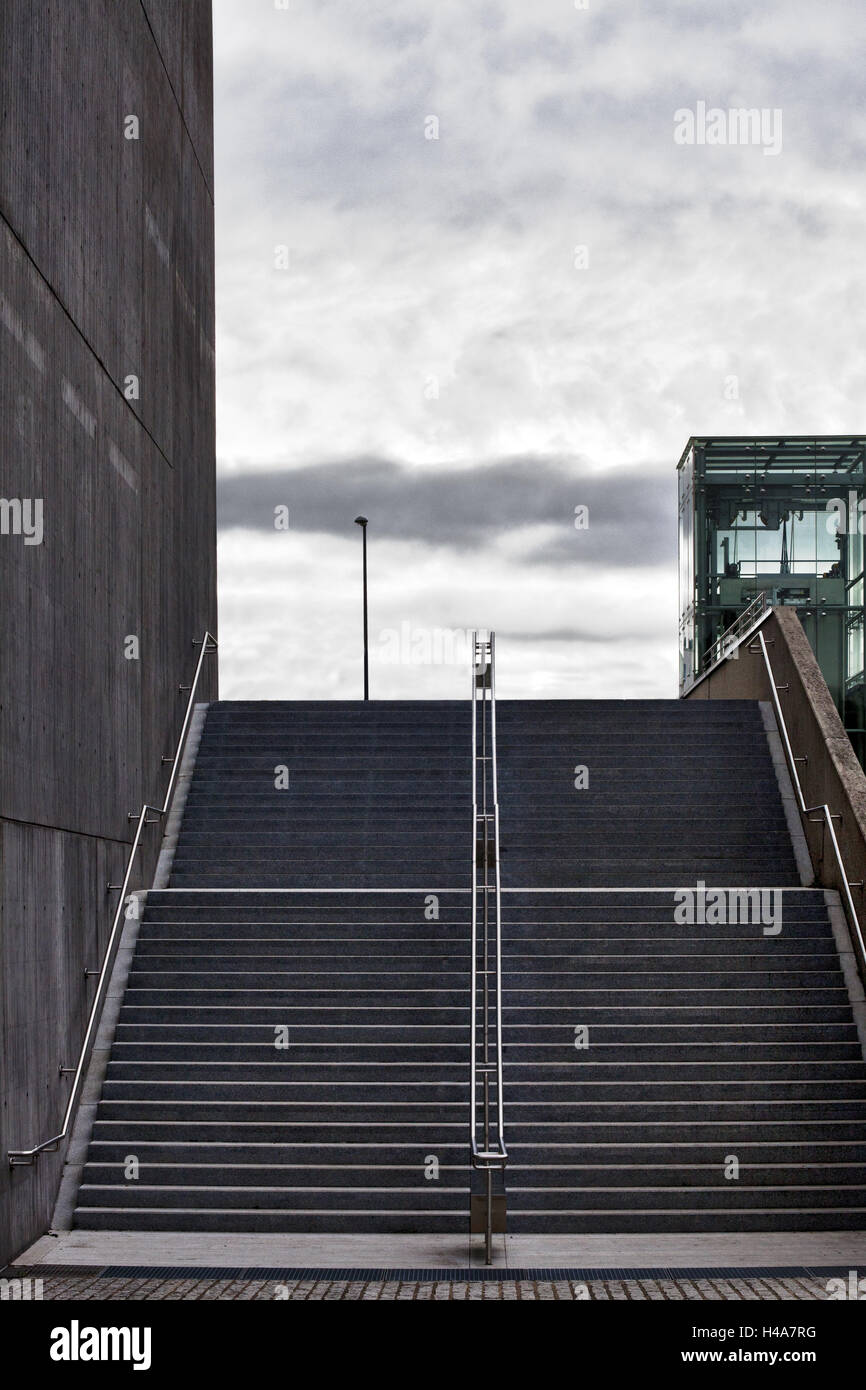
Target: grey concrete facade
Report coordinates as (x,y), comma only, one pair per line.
(106,273)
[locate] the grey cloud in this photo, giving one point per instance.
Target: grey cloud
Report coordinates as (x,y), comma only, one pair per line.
(632,514)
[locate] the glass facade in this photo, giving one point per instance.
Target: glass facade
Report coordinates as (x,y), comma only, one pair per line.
(784,517)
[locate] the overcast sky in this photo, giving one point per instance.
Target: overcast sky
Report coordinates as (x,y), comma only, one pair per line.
(467,337)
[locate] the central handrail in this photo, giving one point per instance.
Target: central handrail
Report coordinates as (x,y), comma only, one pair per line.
(21,1157)
(490,1153)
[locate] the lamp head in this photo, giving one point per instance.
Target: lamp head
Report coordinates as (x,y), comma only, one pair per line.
(360,521)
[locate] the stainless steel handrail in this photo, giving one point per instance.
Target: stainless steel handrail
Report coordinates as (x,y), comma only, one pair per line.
(500,1109)
(23,1157)
(491,1152)
(806,811)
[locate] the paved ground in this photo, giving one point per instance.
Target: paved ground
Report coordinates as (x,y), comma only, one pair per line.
(71,1283)
(119,1265)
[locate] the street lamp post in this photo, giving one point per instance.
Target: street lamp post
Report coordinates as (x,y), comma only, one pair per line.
(362,522)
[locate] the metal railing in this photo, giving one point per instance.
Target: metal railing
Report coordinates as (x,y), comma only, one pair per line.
(725,643)
(18,1157)
(485,1090)
(808,812)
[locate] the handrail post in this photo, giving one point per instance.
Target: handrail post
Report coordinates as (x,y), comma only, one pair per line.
(26,1157)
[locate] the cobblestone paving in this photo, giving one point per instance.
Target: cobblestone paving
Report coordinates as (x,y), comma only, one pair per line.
(78,1284)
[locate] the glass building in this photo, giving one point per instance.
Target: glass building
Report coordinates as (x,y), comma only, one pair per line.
(781,517)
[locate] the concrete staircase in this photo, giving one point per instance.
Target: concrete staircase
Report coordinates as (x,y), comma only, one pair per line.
(334,1132)
(704,1042)
(378,796)
(678,790)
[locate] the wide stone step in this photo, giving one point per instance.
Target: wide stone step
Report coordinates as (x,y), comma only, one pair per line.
(449,973)
(621,1017)
(613,1221)
(544,1188)
(848,1078)
(726,1133)
(350,1220)
(365,1221)
(108,1180)
(181,945)
(422,1196)
(330,876)
(819,1058)
(612,1038)
(708,1109)
(627,902)
(758,1161)
(584,1000)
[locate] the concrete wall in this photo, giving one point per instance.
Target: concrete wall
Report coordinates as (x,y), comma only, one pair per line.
(831,773)
(106,271)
